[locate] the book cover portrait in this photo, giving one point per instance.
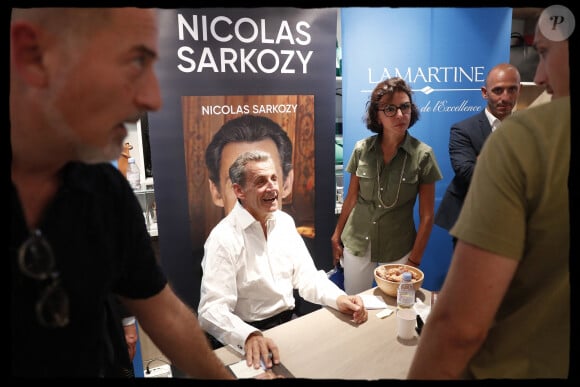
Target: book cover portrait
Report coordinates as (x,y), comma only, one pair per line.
(217,129)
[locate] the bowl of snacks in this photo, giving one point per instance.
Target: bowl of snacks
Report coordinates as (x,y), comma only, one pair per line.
(389,276)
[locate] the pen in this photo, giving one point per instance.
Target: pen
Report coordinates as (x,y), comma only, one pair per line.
(419,326)
(262,364)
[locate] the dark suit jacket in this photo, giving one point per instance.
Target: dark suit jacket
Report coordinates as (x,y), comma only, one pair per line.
(466,139)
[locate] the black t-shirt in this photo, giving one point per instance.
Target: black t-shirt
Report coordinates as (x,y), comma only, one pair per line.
(97,232)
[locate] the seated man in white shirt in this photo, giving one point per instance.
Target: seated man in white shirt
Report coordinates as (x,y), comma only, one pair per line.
(253,260)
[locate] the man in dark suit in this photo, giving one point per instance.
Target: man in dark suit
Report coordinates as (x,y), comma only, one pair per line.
(501,90)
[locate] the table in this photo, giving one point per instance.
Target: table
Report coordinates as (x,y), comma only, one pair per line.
(324,344)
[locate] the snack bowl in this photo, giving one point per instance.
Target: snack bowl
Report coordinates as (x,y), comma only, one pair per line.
(394,271)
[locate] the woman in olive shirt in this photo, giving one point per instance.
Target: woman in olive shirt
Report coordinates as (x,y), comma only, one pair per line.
(389,170)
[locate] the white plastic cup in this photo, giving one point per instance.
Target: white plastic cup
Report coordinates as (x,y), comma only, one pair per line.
(406,321)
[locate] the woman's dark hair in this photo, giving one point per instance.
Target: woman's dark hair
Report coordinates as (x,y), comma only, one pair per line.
(387,87)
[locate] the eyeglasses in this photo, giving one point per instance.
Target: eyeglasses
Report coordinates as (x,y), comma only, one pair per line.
(36,261)
(391,110)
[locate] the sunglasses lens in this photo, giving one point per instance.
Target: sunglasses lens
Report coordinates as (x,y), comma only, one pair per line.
(53,307)
(35,258)
(36,261)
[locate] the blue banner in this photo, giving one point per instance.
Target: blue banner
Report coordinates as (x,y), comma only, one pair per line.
(444,54)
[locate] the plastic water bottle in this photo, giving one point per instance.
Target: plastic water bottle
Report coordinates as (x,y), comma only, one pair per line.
(406,292)
(133,174)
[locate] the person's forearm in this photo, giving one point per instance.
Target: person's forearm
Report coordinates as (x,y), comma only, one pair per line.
(188,349)
(421,240)
(200,363)
(178,335)
(345,211)
(342,218)
(442,353)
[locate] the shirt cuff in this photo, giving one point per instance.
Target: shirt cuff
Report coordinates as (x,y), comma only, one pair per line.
(129,321)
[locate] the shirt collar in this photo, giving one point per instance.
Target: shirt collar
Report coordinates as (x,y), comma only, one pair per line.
(243,217)
(493,120)
(406,144)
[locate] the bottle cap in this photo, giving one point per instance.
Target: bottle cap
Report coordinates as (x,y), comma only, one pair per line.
(407,276)
(131,160)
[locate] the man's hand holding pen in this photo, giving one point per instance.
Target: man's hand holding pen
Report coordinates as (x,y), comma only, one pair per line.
(353,305)
(261,350)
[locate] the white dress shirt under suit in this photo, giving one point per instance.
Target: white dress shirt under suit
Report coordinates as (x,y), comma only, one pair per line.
(247,277)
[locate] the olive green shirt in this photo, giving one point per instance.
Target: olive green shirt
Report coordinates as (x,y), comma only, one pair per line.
(383,214)
(518,206)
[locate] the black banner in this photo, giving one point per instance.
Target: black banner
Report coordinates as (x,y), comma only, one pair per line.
(220,63)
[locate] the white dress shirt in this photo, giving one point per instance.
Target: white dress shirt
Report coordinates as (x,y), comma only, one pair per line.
(494,122)
(247,277)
